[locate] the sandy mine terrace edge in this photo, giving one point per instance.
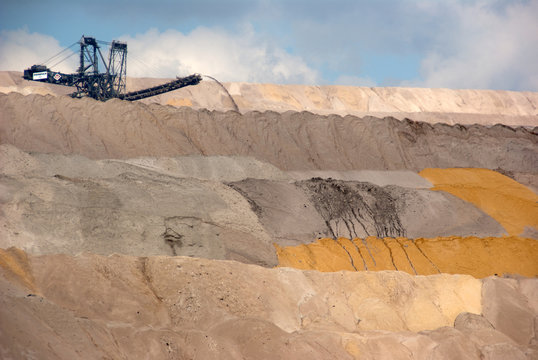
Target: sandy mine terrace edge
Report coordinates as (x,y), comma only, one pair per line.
(50,201)
(449,106)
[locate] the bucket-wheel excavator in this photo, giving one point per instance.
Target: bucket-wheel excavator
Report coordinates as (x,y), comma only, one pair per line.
(102,85)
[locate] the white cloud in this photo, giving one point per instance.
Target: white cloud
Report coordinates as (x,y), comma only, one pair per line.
(487,48)
(460,43)
(243,56)
(20,49)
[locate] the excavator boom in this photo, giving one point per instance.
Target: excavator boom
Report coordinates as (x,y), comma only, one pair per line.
(161,89)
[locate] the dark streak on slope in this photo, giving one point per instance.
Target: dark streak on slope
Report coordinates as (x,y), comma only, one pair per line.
(348,254)
(407,256)
(427,258)
(360,253)
(365,243)
(257,209)
(354,209)
(143,266)
(390,253)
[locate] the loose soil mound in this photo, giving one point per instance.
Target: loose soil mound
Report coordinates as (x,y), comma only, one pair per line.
(290,141)
(513,205)
(181,307)
(479,257)
(294,213)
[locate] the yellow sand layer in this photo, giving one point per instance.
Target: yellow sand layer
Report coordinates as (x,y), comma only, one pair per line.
(14,262)
(179,102)
(479,257)
(513,205)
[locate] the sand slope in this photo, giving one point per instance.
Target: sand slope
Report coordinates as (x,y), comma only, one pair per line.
(302,211)
(479,257)
(187,206)
(513,205)
(194,308)
(59,204)
(290,141)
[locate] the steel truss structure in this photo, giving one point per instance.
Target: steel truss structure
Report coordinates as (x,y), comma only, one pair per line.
(103,85)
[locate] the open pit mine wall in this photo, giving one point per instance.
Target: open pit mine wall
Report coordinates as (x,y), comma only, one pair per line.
(260,188)
(290,141)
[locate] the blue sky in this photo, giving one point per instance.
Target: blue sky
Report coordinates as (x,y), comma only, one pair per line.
(481,44)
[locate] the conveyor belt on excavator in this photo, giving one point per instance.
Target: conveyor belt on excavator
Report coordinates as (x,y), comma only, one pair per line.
(160,89)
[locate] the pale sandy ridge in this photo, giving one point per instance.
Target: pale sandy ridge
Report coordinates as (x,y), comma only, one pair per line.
(486,107)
